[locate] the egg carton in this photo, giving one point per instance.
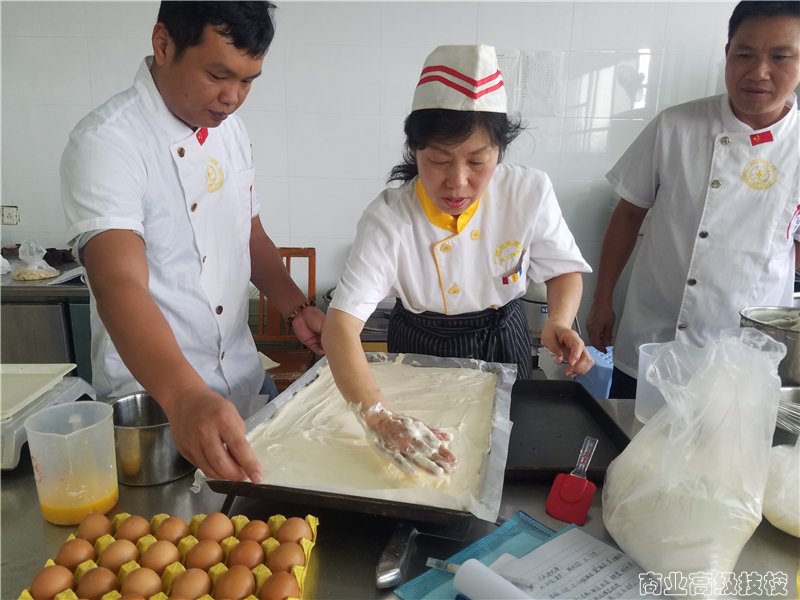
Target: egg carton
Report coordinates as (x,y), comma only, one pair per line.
(157,553)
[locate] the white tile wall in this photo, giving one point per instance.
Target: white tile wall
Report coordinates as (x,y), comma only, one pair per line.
(326,116)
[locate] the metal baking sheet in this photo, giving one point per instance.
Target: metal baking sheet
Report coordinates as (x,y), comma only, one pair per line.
(551,419)
(381,507)
(371,506)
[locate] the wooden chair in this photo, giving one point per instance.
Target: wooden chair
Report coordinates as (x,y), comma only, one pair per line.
(273,336)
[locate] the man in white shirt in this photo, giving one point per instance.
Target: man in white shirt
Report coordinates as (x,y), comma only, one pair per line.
(721,177)
(157,187)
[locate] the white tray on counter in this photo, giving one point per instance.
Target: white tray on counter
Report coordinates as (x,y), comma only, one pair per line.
(12,429)
(21,384)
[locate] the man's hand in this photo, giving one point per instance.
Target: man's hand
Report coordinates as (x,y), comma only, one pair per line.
(405,441)
(308,326)
(565,344)
(600,325)
(209,432)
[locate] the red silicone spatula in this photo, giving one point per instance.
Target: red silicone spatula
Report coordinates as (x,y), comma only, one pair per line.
(571,495)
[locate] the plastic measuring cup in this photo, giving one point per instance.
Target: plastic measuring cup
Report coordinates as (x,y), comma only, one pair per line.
(72,451)
(648,397)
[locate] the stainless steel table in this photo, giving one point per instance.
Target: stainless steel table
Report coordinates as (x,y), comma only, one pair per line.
(343,562)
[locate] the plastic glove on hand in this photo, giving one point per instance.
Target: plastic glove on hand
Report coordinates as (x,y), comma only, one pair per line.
(405,441)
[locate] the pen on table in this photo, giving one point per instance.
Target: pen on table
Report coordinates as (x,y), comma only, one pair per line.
(451,567)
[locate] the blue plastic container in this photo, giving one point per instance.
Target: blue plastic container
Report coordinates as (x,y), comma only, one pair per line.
(598,380)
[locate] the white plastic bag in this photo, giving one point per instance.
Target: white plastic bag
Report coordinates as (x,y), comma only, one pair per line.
(34,266)
(782,495)
(686,494)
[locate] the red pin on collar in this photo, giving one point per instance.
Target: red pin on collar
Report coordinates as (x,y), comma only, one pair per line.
(571,495)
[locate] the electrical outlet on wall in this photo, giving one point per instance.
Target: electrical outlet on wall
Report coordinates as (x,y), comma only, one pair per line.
(10,215)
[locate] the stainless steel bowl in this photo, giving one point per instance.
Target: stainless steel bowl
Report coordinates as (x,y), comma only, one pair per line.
(146,452)
(776,321)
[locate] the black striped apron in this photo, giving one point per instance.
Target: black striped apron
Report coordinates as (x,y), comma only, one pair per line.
(492,335)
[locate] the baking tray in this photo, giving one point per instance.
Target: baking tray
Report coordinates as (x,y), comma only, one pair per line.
(424,514)
(432,515)
(551,419)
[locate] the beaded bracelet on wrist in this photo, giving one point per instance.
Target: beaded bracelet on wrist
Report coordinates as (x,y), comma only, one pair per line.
(296,312)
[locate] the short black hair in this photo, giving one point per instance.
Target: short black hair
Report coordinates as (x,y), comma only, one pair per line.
(750,9)
(249,25)
(450,126)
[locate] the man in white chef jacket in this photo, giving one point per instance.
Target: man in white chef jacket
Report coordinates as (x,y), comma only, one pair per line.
(720,178)
(158,190)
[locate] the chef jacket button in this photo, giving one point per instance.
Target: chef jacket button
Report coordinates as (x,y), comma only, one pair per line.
(181,152)
(716,184)
(446,247)
(682,326)
(691,281)
(194,206)
(725,140)
(703,234)
(204,258)
(219,310)
(475,234)
(454,289)
(221,356)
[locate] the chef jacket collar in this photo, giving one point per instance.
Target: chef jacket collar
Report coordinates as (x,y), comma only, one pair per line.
(734,125)
(175,129)
(441,219)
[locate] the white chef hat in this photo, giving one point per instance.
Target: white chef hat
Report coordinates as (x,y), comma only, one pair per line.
(461,78)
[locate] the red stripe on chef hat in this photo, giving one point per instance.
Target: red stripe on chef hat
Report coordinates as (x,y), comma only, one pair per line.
(469,93)
(473,82)
(473,91)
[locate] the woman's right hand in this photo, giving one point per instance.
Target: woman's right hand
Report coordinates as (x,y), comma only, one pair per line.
(405,441)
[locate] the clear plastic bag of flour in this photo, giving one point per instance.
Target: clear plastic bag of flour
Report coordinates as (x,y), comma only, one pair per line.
(33,265)
(782,495)
(687,492)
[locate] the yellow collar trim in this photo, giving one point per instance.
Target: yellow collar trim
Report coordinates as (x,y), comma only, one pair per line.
(441,219)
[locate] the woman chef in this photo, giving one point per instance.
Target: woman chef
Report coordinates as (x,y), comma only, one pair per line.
(456,244)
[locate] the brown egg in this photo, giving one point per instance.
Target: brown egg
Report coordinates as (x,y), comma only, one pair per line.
(93,526)
(293,529)
(117,554)
(159,555)
(192,583)
(172,529)
(248,553)
(132,596)
(204,555)
(235,583)
(142,581)
(279,586)
(256,529)
(74,552)
(96,582)
(133,528)
(216,526)
(51,581)
(286,556)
